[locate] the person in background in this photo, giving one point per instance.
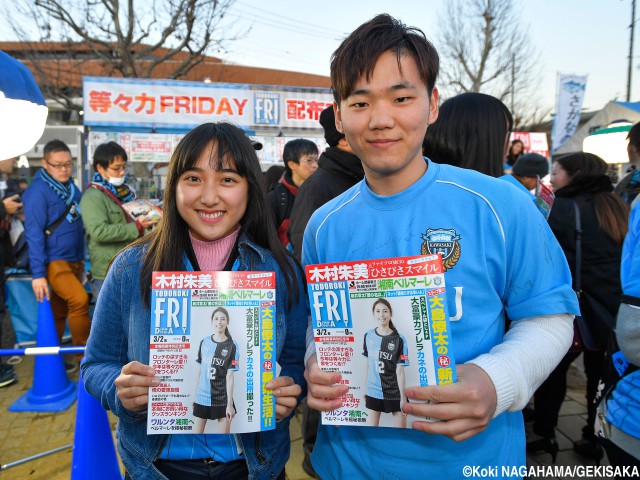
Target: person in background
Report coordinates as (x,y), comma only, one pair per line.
(55,236)
(623,405)
(629,187)
(580,178)
(108,227)
(10,205)
(23,184)
(301,161)
(472,131)
(338,170)
(272,176)
(515,151)
(526,171)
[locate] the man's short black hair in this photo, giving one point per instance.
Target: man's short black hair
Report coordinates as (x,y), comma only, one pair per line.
(105,153)
(358,53)
(634,136)
(295,149)
(53,146)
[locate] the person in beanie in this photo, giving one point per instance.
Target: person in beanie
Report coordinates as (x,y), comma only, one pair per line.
(301,161)
(526,171)
(338,170)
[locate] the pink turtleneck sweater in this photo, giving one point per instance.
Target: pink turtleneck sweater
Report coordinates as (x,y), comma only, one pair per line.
(212,256)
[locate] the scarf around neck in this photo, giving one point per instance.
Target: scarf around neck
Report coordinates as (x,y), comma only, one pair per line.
(66,191)
(122,193)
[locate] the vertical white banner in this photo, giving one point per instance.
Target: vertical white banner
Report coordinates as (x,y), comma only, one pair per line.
(570,94)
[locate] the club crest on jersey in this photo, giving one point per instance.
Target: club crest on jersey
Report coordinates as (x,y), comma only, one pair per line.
(224,352)
(391,346)
(442,241)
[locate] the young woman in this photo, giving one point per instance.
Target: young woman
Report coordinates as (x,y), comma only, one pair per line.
(581,178)
(218,359)
(515,151)
(386,352)
(216,217)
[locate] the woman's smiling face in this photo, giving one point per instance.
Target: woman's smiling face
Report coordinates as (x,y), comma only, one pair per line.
(211,202)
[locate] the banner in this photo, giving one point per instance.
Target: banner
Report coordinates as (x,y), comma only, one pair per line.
(570,94)
(176,104)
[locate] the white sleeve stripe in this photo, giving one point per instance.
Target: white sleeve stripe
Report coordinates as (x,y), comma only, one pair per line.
(482,197)
(332,212)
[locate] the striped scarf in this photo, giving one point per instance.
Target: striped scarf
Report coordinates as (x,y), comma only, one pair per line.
(65,192)
(123,193)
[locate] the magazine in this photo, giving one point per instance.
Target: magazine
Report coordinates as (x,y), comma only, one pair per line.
(212,345)
(142,207)
(544,198)
(384,325)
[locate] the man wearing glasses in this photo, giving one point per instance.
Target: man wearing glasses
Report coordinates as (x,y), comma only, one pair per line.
(109,228)
(55,237)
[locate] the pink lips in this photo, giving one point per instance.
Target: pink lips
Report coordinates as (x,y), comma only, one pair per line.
(382,143)
(210,216)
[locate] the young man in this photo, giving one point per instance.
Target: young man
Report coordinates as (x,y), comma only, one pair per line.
(55,237)
(109,228)
(502,259)
(338,170)
(301,161)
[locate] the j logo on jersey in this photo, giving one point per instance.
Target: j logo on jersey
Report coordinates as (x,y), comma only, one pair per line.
(442,241)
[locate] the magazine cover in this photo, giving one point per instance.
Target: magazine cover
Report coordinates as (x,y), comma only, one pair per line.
(212,345)
(140,207)
(384,325)
(544,198)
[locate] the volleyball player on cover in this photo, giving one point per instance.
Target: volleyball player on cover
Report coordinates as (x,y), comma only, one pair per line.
(218,359)
(387,355)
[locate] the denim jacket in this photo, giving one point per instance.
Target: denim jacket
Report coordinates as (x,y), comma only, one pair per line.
(120,334)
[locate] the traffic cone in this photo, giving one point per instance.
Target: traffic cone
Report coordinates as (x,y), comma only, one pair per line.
(51,391)
(94,456)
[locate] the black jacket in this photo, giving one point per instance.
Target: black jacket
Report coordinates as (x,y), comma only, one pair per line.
(600,269)
(337,172)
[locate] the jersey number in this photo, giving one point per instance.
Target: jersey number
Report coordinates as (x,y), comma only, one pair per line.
(380,367)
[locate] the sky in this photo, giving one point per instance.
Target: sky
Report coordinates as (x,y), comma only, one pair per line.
(582,37)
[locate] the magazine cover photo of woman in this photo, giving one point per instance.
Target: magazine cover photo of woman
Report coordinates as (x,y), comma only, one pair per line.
(387,355)
(218,359)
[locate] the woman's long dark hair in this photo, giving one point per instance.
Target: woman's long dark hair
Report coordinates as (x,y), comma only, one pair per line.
(588,174)
(512,157)
(225,144)
(226,314)
(386,303)
(470,132)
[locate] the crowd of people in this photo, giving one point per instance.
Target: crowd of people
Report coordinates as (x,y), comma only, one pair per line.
(399,163)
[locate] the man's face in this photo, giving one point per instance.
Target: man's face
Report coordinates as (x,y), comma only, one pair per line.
(302,170)
(59,165)
(385,119)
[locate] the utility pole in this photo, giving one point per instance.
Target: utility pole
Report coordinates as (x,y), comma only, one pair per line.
(633,26)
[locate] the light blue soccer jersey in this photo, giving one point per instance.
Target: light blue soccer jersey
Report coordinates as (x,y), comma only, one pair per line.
(500,257)
(630,266)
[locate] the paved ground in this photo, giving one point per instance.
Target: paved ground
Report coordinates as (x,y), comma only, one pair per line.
(26,434)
